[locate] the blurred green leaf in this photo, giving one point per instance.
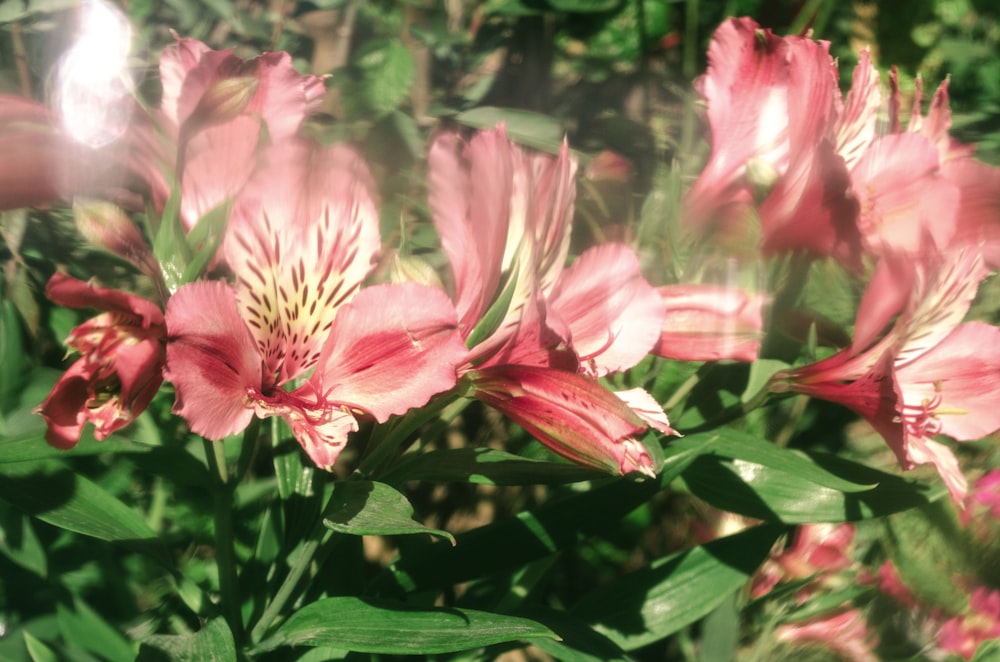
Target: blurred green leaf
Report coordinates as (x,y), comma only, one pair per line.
(204,240)
(84,628)
(644,606)
(525,127)
(487,466)
(387,73)
(12,355)
(38,651)
(365,508)
(214,641)
(395,628)
(577,642)
(19,543)
(62,498)
(793,497)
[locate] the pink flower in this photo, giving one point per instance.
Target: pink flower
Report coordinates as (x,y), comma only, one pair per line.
(813,166)
(303,236)
(571,414)
(710,323)
(816,551)
(504,217)
(120,365)
(964,633)
(929,375)
(845,633)
(215,109)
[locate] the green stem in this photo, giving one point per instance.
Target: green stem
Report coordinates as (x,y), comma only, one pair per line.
(225,552)
(287,589)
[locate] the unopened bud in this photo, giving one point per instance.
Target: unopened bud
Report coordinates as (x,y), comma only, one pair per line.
(225,100)
(411,269)
(105,225)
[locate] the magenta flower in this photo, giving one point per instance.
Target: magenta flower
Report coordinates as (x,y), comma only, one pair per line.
(964,633)
(120,365)
(302,238)
(845,633)
(929,374)
(214,111)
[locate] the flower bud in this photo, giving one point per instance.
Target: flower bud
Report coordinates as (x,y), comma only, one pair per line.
(225,100)
(105,225)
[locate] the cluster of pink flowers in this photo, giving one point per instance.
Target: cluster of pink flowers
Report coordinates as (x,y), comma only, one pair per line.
(795,167)
(817,559)
(292,328)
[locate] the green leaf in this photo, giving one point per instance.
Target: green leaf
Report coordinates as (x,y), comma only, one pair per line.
(212,642)
(388,71)
(577,642)
(30,446)
(523,126)
(12,354)
(369,626)
(84,628)
(494,316)
(365,508)
(38,651)
(584,6)
(529,536)
(204,240)
(19,543)
(64,499)
(170,246)
(736,445)
(487,466)
(647,605)
(772,494)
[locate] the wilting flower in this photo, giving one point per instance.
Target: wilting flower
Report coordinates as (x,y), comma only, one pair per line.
(928,375)
(504,217)
(302,238)
(710,323)
(217,113)
(120,365)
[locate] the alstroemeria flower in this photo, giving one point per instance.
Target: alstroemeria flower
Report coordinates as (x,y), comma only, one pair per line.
(215,110)
(120,367)
(302,238)
(504,216)
(571,414)
(710,323)
(813,167)
(929,374)
(964,633)
(845,633)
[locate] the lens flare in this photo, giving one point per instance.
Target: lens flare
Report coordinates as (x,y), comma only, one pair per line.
(92,81)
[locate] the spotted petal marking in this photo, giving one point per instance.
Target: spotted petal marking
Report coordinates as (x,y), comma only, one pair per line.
(300,249)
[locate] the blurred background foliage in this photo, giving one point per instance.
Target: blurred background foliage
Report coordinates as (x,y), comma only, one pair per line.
(605,74)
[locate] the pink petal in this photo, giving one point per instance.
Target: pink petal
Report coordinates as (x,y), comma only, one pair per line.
(921,450)
(857,125)
(302,237)
(904,199)
(709,323)
(64,410)
(979,206)
(647,408)
(392,348)
(67,291)
(212,359)
(572,414)
(955,382)
(614,315)
(470,198)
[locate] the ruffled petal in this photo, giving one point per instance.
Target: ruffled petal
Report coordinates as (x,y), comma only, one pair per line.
(392,348)
(615,317)
(67,291)
(212,359)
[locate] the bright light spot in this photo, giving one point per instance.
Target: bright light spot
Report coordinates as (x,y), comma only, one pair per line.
(91,81)
(771,141)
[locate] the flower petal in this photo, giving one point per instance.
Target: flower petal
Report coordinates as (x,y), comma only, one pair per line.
(302,237)
(392,348)
(212,359)
(572,414)
(709,323)
(615,317)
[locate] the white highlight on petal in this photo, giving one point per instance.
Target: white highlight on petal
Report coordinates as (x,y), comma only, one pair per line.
(91,80)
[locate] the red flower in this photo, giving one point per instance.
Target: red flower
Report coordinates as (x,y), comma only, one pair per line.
(120,365)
